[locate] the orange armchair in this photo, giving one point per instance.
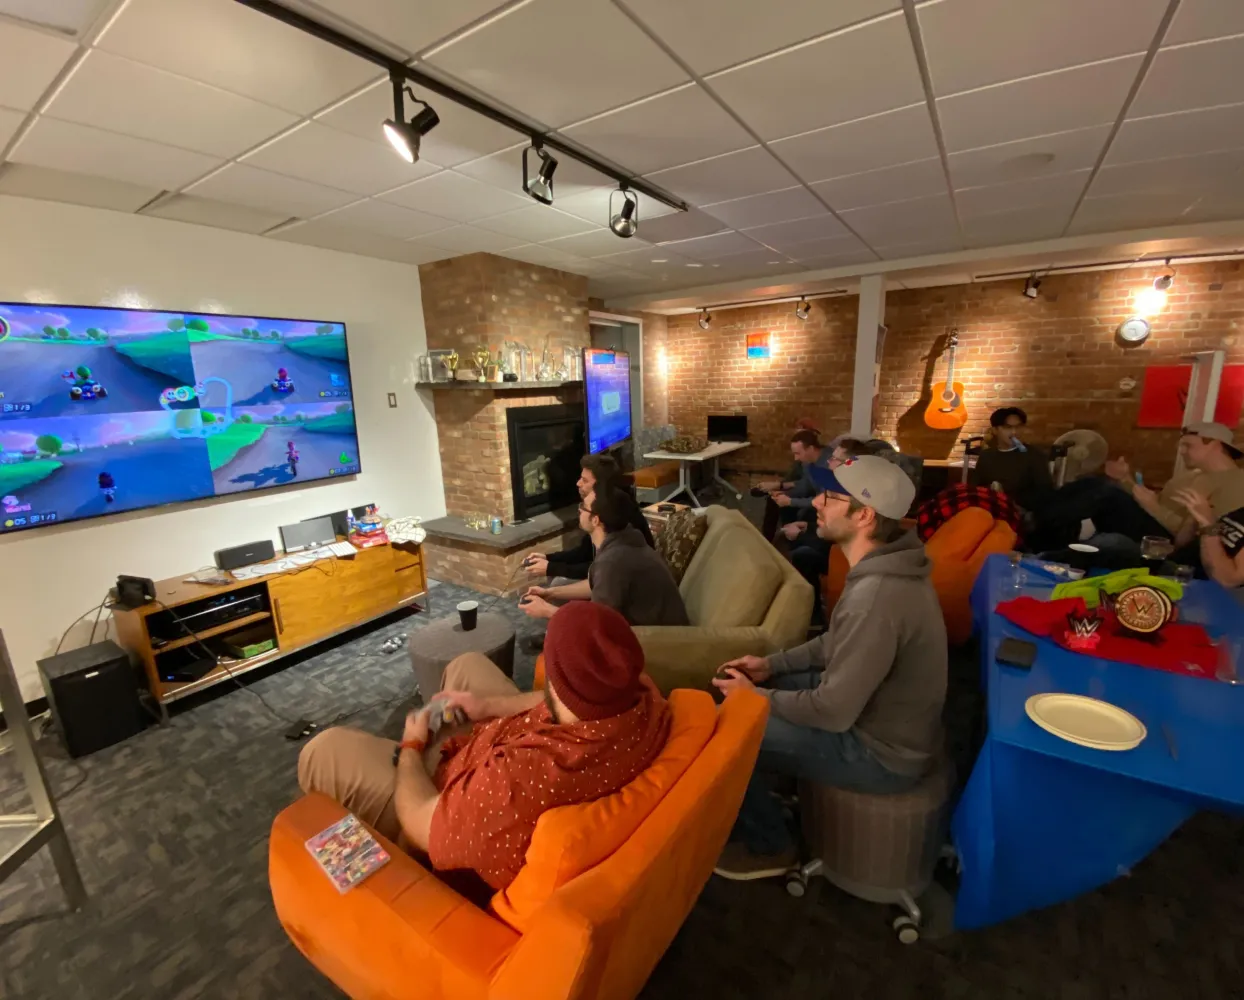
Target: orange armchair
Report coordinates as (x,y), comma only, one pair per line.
(957,550)
(403,934)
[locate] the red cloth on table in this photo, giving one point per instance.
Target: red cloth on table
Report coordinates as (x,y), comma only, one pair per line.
(1180,649)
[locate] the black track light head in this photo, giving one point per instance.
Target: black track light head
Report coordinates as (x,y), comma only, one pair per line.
(705,319)
(539,187)
(803,310)
(405,136)
(625,221)
(1032,286)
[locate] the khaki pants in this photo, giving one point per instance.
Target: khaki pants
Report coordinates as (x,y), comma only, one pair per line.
(356,768)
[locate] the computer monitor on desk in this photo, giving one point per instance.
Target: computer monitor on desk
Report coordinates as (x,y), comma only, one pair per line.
(727,427)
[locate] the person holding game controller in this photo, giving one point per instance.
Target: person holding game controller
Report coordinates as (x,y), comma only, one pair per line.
(468,795)
(860,706)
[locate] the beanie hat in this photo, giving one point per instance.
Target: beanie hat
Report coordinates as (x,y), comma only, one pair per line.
(593,660)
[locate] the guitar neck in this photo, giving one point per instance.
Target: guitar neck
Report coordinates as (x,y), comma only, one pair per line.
(950,363)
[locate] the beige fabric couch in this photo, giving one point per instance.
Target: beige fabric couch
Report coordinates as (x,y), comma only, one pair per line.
(741,596)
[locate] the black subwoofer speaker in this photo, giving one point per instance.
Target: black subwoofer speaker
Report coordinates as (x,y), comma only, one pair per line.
(93,695)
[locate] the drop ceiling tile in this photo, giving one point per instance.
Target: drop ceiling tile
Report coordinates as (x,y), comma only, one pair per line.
(386,219)
(411,27)
(1183,134)
(470,239)
(29,62)
(1053,191)
(975,43)
(680,226)
(903,221)
(504,170)
(63,145)
(831,253)
(78,189)
(1217,207)
(785,236)
(707,248)
(356,241)
(546,257)
(537,223)
(1193,175)
(920,248)
(10,122)
(763,209)
(601,60)
(1028,158)
(662,132)
(775,95)
(461,135)
(66,16)
(206,212)
(1024,225)
(1198,20)
(723,178)
(262,189)
(754,29)
(597,243)
(116,94)
(237,49)
(1039,105)
(1202,75)
(1129,211)
(646,260)
(321,155)
(901,136)
(594,205)
(908,180)
(453,196)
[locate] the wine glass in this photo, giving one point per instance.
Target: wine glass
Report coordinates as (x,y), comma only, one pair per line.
(1156,547)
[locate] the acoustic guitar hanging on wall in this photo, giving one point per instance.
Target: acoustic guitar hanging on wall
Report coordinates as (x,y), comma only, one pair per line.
(946,410)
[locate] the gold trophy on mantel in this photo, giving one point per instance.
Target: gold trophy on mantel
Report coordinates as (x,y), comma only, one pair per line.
(450,361)
(480,357)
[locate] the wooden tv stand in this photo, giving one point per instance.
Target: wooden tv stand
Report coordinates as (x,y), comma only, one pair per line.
(296,608)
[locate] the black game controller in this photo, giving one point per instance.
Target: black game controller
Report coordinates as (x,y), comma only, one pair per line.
(756,491)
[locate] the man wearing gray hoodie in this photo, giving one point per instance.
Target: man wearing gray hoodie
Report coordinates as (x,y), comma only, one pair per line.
(860,706)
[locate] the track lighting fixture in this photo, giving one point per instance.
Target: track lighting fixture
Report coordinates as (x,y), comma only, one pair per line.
(803,309)
(1032,286)
(625,221)
(404,135)
(705,319)
(1163,282)
(539,187)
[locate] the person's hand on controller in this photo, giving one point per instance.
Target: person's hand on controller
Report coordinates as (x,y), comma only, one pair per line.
(416,730)
(472,707)
(536,564)
(729,679)
(794,530)
(769,487)
(781,499)
(755,668)
(535,606)
(443,711)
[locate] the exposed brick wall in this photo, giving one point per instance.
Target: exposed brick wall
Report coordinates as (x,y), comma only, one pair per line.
(488,570)
(808,375)
(484,300)
(1057,356)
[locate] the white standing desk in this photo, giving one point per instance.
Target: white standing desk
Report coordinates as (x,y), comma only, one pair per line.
(712,453)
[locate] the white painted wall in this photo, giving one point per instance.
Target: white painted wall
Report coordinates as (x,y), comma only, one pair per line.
(66,254)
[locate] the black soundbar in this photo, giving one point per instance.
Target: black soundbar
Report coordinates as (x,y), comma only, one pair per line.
(244,555)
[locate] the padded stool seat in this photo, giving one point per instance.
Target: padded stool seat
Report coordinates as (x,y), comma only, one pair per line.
(651,477)
(881,848)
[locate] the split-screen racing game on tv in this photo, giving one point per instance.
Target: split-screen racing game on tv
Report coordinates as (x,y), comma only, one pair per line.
(106,410)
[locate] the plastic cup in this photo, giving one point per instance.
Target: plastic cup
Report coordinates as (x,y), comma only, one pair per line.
(468,612)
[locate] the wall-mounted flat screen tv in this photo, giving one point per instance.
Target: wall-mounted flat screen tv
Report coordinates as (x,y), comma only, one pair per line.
(106,410)
(607,393)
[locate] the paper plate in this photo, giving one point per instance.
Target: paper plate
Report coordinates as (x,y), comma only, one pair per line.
(1086,721)
(1082,547)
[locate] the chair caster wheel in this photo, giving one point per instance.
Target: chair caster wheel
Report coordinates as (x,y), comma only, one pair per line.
(796,884)
(908,930)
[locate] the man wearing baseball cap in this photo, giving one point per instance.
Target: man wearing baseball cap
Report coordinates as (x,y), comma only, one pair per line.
(471,799)
(860,706)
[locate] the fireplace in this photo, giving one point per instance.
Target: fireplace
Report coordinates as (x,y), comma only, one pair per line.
(546,443)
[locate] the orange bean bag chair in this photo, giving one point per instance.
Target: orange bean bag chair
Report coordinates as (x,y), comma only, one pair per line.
(605,887)
(958,550)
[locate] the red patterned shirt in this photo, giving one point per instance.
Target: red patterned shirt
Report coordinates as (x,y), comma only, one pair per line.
(936,511)
(496,781)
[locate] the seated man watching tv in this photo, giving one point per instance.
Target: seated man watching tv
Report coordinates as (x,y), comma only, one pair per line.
(627,574)
(470,798)
(859,707)
(1022,471)
(573,563)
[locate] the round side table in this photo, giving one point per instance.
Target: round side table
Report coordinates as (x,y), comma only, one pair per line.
(433,647)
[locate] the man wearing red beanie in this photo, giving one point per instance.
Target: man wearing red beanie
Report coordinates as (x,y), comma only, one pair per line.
(472,798)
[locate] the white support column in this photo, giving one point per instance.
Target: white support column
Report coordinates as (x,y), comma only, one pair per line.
(867,357)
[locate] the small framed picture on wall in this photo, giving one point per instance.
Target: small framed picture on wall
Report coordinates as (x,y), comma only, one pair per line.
(758,346)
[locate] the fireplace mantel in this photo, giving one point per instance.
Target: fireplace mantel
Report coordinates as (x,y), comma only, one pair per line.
(498,386)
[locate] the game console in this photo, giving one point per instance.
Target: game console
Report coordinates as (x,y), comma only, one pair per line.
(244,555)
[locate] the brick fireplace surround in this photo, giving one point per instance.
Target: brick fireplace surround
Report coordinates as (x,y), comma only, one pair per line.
(483,300)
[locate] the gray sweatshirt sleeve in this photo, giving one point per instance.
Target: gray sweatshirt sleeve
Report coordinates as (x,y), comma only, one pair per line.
(812,655)
(864,646)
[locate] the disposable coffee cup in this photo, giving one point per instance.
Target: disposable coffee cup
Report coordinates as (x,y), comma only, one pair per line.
(468,611)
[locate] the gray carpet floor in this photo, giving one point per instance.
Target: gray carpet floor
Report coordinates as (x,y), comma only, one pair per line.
(170,829)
